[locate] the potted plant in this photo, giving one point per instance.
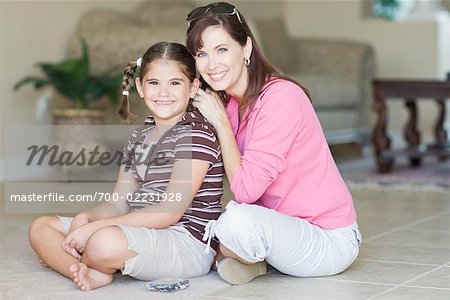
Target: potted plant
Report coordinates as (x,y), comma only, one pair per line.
(73,80)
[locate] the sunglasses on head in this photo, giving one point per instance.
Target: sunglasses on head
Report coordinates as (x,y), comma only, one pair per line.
(219,8)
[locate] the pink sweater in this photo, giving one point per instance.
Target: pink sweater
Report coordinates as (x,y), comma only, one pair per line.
(286,163)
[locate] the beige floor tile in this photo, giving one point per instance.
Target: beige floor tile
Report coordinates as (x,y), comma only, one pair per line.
(415,212)
(409,237)
(382,272)
(285,288)
(396,249)
(404,210)
(404,253)
(372,225)
(383,200)
(406,293)
(439,278)
(438,224)
(390,210)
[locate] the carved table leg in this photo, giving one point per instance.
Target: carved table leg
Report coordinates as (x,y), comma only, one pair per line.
(440,131)
(380,139)
(411,133)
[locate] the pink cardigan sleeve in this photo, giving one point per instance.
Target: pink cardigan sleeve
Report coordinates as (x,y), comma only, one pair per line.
(271,130)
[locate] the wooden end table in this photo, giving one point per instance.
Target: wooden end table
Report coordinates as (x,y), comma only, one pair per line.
(409,91)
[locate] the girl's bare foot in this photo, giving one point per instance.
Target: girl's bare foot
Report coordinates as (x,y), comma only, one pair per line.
(87,278)
(43,263)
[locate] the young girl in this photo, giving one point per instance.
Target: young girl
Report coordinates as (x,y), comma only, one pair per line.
(170,182)
(292,207)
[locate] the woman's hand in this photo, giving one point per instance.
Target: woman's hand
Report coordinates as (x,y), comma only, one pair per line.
(75,242)
(211,107)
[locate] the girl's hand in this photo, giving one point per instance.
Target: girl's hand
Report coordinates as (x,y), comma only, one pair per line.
(210,106)
(75,242)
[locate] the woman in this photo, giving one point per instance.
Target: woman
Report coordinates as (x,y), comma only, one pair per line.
(292,208)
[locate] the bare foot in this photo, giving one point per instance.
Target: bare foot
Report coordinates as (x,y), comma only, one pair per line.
(43,263)
(87,278)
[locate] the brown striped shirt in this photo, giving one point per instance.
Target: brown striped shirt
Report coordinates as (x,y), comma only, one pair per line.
(191,138)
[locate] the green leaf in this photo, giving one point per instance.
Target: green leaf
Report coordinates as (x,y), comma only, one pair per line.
(71,78)
(38,82)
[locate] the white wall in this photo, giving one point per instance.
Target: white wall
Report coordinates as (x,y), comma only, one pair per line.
(32,31)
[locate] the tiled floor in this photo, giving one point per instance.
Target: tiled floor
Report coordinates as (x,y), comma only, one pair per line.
(405,255)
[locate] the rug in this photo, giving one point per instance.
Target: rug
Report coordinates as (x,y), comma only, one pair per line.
(431,175)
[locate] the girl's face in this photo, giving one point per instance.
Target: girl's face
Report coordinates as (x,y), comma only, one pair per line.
(221,61)
(166,91)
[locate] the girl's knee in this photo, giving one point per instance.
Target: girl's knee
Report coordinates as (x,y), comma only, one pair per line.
(40,224)
(106,244)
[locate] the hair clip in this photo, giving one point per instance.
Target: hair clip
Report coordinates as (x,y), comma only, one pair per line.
(139,62)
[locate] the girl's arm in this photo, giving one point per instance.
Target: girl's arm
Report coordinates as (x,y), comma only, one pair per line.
(185,181)
(125,184)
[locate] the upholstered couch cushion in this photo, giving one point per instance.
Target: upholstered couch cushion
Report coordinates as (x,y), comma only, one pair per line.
(163,14)
(330,91)
(277,45)
(114,38)
(335,120)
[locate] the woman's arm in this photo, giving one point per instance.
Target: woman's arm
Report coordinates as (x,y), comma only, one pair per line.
(273,132)
(212,108)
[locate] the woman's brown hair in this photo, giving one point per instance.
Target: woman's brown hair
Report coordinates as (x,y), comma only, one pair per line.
(260,69)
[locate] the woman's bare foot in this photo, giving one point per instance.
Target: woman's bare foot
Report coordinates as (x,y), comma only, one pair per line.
(87,278)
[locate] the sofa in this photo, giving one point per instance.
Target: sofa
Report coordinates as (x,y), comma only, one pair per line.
(337,73)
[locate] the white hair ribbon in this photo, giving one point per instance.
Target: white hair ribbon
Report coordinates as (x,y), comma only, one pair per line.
(139,61)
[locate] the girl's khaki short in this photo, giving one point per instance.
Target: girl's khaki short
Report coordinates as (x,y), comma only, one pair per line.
(162,253)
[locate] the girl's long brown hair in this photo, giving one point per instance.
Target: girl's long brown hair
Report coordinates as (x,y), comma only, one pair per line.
(260,70)
(164,50)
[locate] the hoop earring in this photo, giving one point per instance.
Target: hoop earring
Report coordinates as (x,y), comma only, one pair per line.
(247,62)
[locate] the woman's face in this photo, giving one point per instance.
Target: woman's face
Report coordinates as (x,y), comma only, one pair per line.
(166,91)
(221,61)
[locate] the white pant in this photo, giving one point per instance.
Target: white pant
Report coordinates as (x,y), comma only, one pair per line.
(292,245)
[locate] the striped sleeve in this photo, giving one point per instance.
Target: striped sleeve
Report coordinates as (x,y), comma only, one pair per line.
(198,142)
(128,150)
